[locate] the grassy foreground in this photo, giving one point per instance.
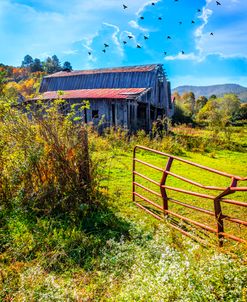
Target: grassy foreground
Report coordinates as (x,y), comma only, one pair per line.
(116,252)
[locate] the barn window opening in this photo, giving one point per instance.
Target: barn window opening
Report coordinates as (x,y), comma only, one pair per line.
(95,113)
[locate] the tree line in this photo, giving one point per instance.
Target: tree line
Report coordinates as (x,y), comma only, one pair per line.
(215,112)
(50,65)
(25,80)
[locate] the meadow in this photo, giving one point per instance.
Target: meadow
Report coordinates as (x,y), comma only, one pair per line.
(106,248)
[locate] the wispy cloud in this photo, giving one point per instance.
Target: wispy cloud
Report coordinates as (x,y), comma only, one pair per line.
(183,57)
(135,25)
(70,52)
(115,37)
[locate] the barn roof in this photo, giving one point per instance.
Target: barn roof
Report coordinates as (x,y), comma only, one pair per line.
(139,68)
(122,93)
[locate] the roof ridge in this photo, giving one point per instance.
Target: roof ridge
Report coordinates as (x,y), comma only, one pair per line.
(134,68)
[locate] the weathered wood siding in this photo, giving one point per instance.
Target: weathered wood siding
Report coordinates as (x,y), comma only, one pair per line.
(105,114)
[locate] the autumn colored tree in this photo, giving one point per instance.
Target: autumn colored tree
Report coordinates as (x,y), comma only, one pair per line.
(11,91)
(19,73)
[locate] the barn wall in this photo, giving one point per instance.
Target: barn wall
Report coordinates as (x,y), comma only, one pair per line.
(104,107)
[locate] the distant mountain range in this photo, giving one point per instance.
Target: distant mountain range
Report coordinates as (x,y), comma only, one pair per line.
(218,90)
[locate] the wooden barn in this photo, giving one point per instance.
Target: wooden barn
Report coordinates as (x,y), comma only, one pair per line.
(129,97)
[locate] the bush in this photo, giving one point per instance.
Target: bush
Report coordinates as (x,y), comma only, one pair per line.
(44,159)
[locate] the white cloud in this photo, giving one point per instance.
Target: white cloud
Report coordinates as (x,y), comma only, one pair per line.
(135,25)
(70,52)
(206,13)
(184,57)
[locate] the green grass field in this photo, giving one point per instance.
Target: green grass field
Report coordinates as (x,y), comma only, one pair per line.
(118,252)
(120,181)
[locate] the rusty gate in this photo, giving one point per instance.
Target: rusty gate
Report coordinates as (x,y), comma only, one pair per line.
(159,205)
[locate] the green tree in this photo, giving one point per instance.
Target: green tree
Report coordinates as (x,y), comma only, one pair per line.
(3,80)
(188,99)
(242,113)
(229,105)
(52,64)
(180,115)
(56,63)
(213,96)
(27,62)
(37,65)
(67,66)
(200,103)
(219,113)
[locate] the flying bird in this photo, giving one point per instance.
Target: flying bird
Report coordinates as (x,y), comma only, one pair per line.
(124,42)
(165,53)
(180,22)
(145,37)
(218,3)
(193,22)
(198,10)
(182,52)
(125,6)
(168,37)
(211,34)
(160,18)
(142,18)
(89,53)
(138,46)
(153,3)
(130,37)
(106,45)
(104,50)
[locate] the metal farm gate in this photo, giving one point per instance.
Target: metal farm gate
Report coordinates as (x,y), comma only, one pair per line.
(160,204)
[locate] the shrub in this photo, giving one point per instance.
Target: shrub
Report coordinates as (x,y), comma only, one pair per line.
(44,159)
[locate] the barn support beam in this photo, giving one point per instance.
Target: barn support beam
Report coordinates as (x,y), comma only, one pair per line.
(148,117)
(135,116)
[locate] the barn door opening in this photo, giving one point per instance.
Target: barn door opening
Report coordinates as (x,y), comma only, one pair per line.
(142,116)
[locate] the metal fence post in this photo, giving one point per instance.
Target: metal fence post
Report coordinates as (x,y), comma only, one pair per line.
(162,183)
(133,174)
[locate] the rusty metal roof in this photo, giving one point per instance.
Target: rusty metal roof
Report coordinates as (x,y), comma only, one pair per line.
(116,93)
(139,68)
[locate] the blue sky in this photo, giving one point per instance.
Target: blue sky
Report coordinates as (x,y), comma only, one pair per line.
(72,28)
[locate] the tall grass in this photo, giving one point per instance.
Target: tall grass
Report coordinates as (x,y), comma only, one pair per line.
(44,159)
